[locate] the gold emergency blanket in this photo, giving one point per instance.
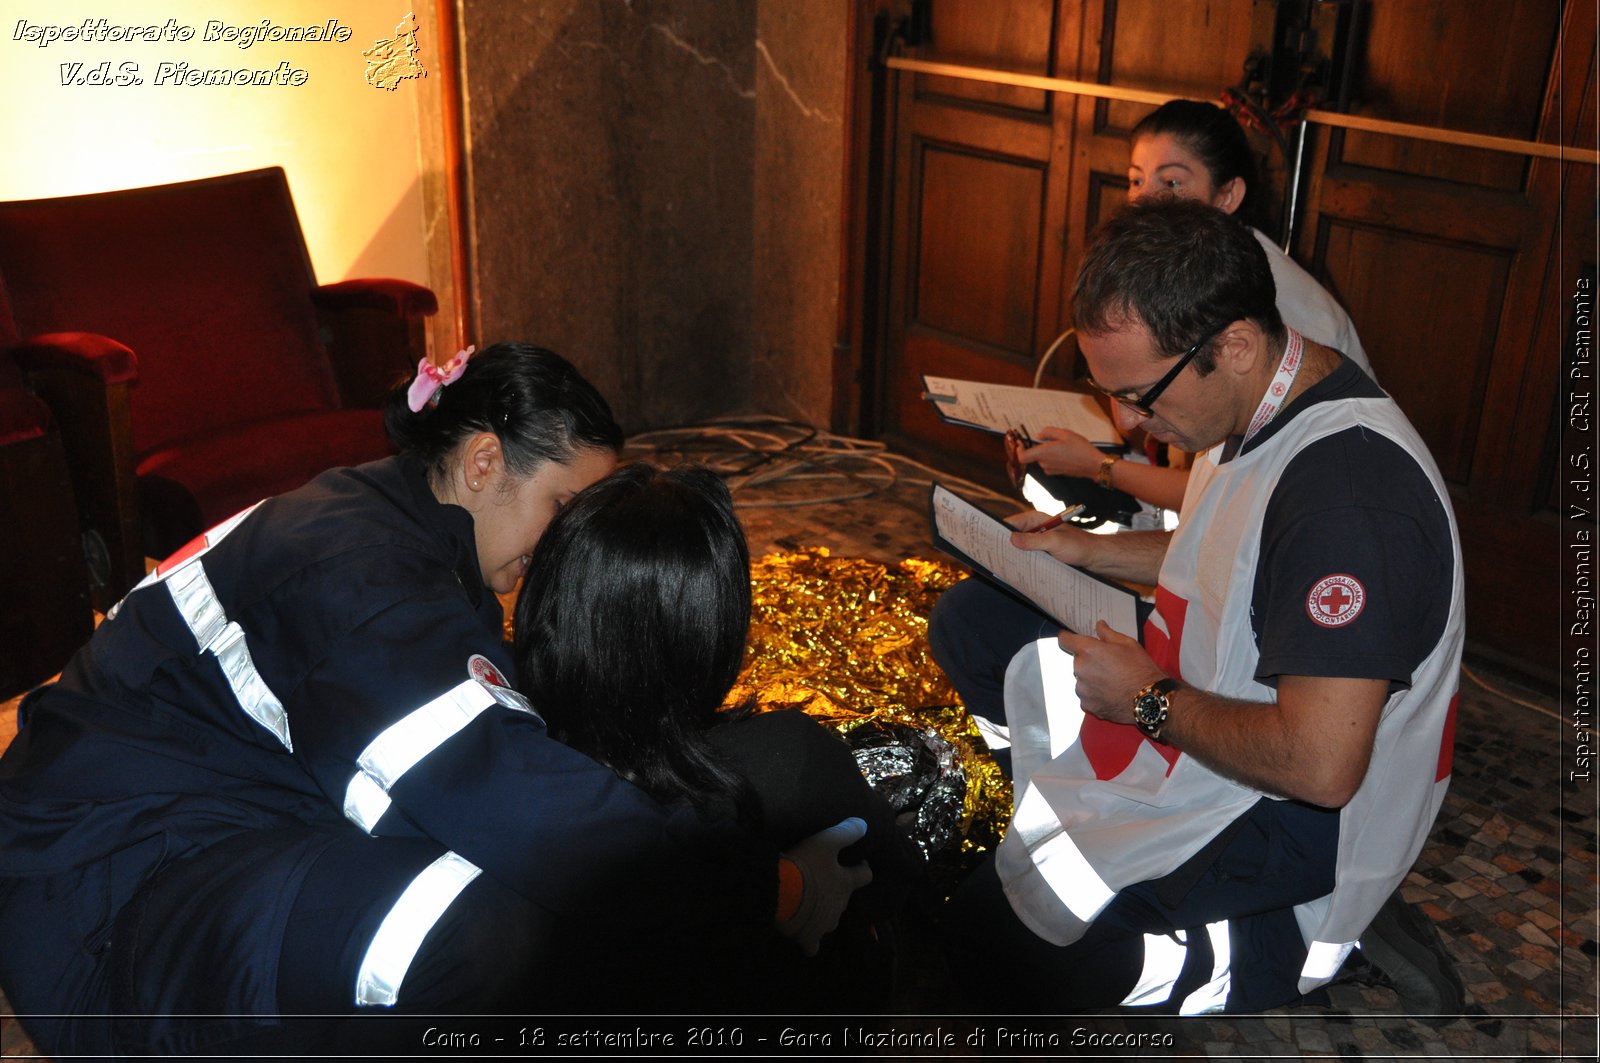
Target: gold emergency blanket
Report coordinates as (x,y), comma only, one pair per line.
(845,640)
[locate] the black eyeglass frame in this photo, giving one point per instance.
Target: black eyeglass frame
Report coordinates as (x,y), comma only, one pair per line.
(1140,404)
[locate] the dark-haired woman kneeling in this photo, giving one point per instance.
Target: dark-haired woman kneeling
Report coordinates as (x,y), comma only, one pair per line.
(630,631)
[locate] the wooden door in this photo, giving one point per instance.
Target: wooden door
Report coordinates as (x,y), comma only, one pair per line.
(1454,268)
(995,187)
(1449,259)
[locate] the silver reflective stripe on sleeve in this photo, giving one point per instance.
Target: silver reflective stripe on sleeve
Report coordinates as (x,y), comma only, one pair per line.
(365,801)
(1059,860)
(197,602)
(399,747)
(1214,994)
(400,935)
(166,568)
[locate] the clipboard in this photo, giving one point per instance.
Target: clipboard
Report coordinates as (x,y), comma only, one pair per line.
(1071,596)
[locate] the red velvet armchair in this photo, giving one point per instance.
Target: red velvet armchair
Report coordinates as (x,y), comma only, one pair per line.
(191,359)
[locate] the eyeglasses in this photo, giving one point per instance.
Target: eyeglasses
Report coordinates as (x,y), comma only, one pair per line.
(1140,404)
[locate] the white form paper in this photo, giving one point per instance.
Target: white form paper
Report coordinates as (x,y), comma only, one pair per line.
(1069,594)
(1001,407)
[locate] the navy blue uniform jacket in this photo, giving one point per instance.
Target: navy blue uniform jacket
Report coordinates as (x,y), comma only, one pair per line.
(359,600)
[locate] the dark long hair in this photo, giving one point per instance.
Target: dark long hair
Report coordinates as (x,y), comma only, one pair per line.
(532,398)
(1213,136)
(631,626)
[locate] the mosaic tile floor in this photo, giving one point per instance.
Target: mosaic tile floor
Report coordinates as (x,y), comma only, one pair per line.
(1509,876)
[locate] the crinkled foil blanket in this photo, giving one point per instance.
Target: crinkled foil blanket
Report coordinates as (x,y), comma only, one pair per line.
(845,640)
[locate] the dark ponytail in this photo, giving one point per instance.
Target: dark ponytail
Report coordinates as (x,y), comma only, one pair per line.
(540,406)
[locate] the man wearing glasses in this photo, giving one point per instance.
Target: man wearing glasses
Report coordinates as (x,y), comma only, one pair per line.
(1212,817)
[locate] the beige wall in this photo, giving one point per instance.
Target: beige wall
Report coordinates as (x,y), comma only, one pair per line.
(350,150)
(656,193)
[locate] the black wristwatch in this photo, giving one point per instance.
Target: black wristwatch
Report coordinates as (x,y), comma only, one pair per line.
(1150,707)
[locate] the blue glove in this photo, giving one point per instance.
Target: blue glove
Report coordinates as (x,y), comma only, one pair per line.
(826,884)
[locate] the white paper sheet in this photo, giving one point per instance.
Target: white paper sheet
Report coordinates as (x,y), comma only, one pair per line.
(1002,407)
(1069,594)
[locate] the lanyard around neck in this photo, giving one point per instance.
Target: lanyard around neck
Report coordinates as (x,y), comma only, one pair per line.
(1278,390)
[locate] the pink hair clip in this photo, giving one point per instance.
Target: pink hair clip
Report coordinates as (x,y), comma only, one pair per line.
(424,391)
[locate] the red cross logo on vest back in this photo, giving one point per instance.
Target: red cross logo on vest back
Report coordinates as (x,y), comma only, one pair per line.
(1336,600)
(1111,747)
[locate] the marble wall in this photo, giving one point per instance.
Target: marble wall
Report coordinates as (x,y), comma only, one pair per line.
(656,189)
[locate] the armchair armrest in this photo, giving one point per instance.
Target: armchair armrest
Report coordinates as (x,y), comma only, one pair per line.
(374,333)
(87,353)
(84,378)
(377,293)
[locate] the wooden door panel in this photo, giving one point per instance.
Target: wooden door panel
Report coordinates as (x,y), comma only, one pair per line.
(1431,62)
(1472,215)
(1014,36)
(1168,47)
(1108,193)
(977,255)
(938,122)
(1436,365)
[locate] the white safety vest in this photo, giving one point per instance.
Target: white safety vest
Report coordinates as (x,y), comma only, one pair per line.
(1099,807)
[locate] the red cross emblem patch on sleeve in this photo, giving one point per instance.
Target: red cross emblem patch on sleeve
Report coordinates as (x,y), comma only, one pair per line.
(1336,600)
(483,670)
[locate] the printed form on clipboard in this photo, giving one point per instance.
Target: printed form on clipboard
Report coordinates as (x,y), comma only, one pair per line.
(1002,407)
(1074,598)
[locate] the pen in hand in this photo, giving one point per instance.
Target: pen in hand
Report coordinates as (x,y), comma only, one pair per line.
(1059,519)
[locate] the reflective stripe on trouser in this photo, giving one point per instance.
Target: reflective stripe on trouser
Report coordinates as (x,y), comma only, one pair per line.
(1059,860)
(197,602)
(1164,958)
(1063,713)
(395,944)
(400,746)
(1324,959)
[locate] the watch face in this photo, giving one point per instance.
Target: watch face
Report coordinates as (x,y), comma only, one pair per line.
(1150,711)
